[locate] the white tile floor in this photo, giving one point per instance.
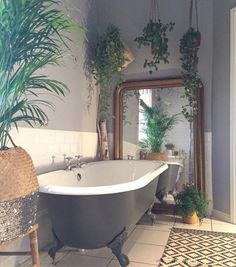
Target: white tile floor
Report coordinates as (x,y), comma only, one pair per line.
(144,246)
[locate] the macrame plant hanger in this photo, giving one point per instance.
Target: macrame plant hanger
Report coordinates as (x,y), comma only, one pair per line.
(154,11)
(193,5)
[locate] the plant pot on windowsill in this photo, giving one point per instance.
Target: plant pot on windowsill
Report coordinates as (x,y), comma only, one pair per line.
(156,156)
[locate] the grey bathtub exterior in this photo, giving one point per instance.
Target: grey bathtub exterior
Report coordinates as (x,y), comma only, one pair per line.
(96,221)
(167,180)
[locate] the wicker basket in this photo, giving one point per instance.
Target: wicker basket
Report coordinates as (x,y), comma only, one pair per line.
(18,194)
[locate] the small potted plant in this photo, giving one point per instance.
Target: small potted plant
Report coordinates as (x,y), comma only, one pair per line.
(191,204)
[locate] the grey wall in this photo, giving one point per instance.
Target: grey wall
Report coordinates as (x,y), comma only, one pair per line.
(131,16)
(221,105)
(71,113)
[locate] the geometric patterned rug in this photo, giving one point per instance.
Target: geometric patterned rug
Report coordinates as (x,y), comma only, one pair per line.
(195,248)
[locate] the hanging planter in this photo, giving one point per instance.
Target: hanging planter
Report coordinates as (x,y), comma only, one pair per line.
(109,60)
(111,57)
(155,36)
(189,47)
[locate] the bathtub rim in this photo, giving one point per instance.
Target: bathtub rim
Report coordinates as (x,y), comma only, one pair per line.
(103,190)
(173,163)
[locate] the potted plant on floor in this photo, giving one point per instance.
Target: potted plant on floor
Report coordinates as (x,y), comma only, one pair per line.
(191,204)
(33,35)
(158,123)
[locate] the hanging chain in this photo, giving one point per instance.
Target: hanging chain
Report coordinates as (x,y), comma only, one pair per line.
(196,8)
(154,11)
(191,13)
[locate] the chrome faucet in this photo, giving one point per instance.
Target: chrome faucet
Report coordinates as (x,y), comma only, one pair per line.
(130,157)
(72,163)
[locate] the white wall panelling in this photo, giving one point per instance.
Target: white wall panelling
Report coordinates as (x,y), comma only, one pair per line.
(49,147)
(233,115)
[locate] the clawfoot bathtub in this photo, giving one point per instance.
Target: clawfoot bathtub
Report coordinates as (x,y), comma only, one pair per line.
(98,204)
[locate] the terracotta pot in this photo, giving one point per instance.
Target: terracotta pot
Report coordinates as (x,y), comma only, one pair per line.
(192,219)
(157,156)
(197,39)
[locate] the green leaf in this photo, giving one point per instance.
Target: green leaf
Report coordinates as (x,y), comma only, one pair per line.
(33,35)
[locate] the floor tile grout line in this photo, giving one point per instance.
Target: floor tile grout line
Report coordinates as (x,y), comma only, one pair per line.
(146,263)
(109,262)
(149,244)
(154,229)
(93,256)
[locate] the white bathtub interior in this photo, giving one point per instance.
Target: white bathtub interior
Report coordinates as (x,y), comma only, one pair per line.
(102,177)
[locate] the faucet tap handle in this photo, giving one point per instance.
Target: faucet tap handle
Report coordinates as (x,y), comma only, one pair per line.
(78,156)
(68,158)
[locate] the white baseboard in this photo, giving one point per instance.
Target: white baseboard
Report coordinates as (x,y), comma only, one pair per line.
(221,216)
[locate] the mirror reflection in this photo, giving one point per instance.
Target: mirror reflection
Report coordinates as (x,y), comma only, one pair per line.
(155,129)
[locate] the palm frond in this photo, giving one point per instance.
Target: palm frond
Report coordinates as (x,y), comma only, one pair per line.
(33,34)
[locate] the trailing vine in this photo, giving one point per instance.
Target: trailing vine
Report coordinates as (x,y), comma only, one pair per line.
(155,36)
(126,96)
(108,62)
(189,46)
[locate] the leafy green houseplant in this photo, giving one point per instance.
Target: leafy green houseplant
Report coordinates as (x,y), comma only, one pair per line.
(155,36)
(190,200)
(158,122)
(32,36)
(109,60)
(107,64)
(189,46)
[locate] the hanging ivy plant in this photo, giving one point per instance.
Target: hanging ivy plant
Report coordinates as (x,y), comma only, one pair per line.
(189,46)
(155,36)
(108,62)
(126,97)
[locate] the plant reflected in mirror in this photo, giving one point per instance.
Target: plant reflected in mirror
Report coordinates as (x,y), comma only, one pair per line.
(158,122)
(154,124)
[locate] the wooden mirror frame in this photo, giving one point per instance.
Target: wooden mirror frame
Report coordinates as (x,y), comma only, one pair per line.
(198,126)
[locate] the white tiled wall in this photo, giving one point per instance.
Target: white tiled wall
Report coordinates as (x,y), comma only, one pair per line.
(208,168)
(48,148)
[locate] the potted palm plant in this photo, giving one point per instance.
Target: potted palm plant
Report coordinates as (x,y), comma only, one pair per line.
(32,36)
(158,122)
(191,204)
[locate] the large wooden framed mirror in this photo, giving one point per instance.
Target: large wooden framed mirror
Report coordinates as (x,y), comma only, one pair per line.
(187,139)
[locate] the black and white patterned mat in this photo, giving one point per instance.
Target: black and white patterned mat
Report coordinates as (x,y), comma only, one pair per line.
(195,248)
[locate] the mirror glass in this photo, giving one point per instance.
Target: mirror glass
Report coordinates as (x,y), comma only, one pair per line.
(173,139)
(156,112)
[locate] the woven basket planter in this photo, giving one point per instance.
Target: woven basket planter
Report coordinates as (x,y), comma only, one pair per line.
(18,194)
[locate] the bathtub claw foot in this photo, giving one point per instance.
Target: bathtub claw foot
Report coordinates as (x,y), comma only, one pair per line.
(116,248)
(57,246)
(152,216)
